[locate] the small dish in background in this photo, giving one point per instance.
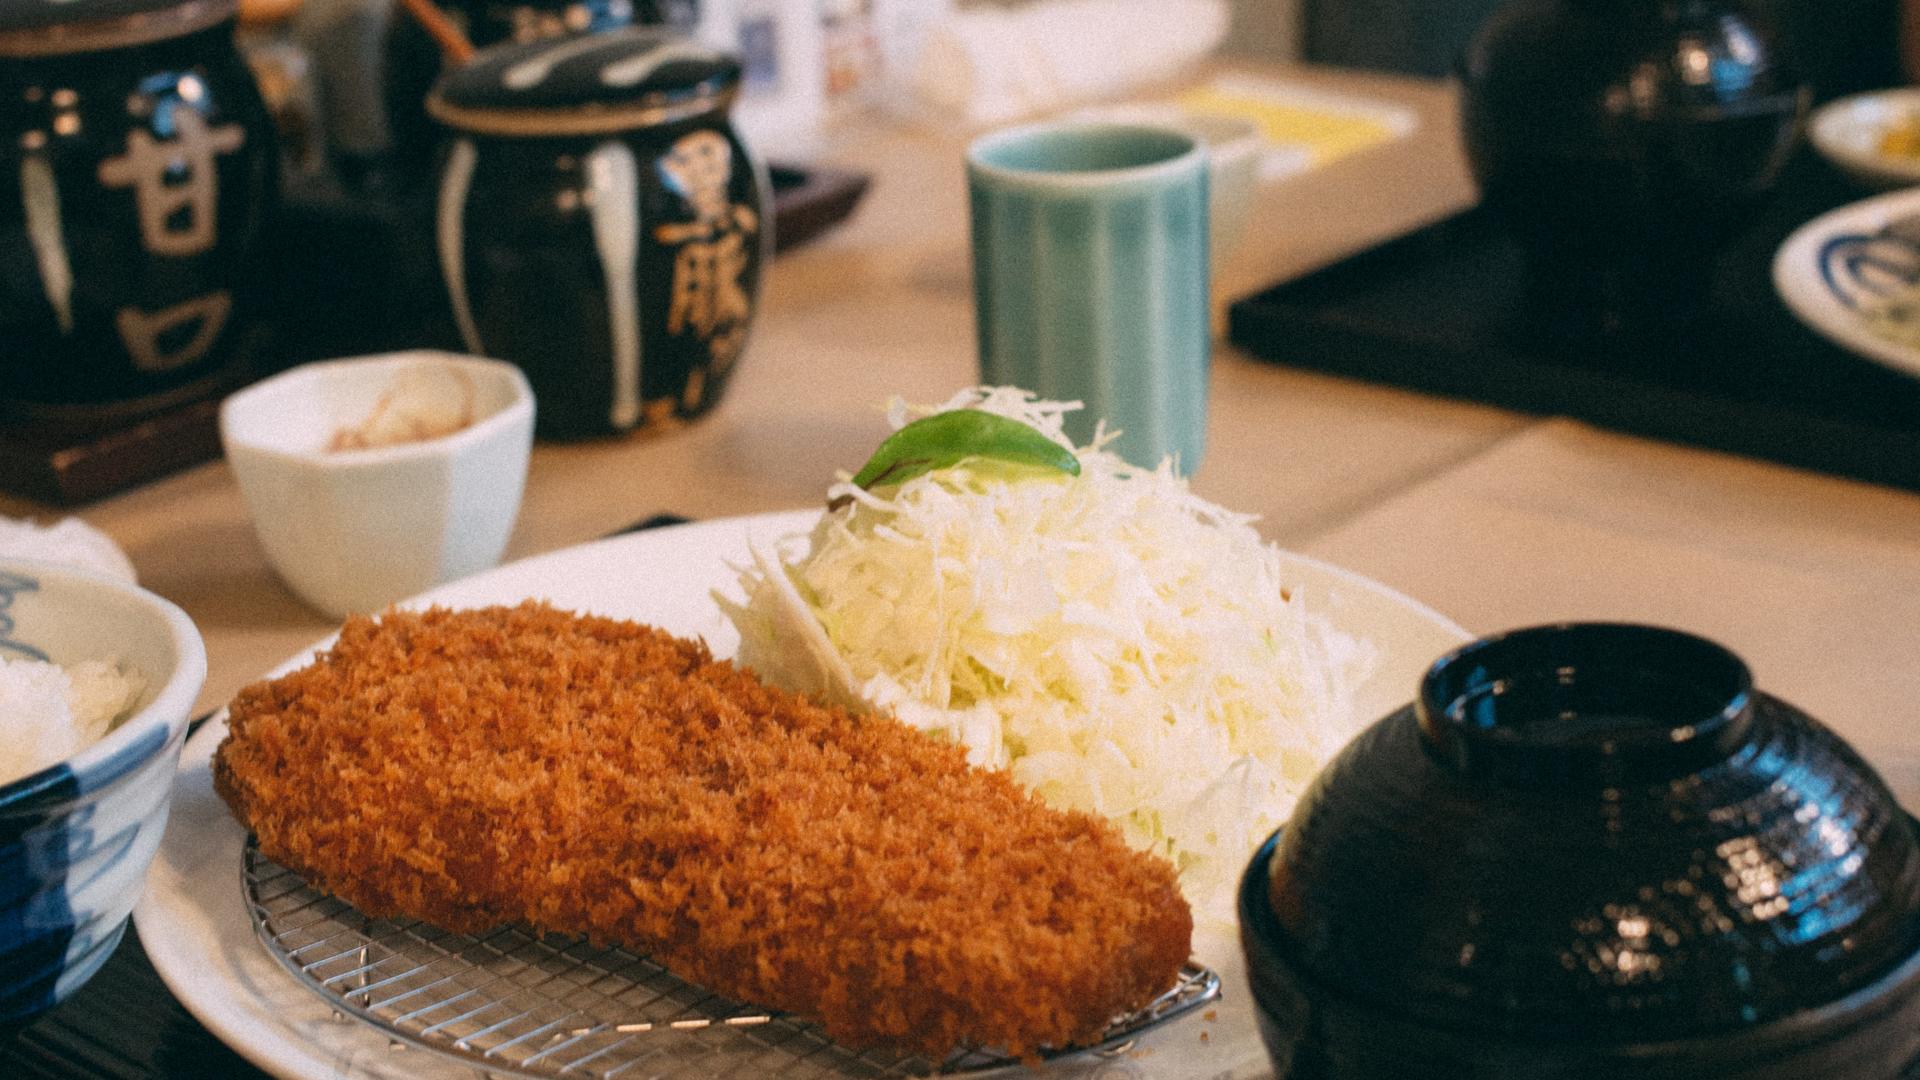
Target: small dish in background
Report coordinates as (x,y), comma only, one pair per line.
(1874,137)
(373,478)
(77,835)
(1853,276)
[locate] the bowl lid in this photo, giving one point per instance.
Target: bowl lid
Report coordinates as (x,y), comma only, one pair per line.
(1601,833)
(57,27)
(586,84)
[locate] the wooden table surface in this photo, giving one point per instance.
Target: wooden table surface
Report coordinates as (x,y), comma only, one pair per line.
(1495,518)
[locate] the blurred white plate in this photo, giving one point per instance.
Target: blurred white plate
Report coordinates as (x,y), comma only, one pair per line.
(196,929)
(1847,133)
(1838,267)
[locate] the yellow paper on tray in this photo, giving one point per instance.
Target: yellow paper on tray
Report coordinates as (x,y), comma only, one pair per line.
(1308,125)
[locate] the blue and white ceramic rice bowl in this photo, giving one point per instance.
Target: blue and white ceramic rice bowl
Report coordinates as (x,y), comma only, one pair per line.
(76,838)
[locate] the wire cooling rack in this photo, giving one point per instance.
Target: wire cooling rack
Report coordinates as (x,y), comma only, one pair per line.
(516,1003)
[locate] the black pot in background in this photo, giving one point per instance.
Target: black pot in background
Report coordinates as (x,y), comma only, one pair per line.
(1590,852)
(1625,142)
(137,165)
(601,224)
(1843,46)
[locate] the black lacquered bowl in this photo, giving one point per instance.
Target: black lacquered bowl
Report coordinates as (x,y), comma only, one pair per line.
(1590,851)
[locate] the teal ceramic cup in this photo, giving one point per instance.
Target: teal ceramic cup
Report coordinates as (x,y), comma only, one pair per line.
(1090,277)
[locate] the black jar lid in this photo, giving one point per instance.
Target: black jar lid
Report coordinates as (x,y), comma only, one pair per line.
(591,84)
(30,28)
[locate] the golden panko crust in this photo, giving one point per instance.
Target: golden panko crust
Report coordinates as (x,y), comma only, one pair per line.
(591,776)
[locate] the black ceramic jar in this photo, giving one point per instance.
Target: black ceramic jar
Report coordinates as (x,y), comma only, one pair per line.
(1624,142)
(601,224)
(1585,852)
(136,168)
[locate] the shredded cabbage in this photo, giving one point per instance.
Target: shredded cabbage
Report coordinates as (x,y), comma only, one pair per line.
(1119,644)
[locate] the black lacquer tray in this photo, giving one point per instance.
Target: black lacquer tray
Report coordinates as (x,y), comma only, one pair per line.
(1449,310)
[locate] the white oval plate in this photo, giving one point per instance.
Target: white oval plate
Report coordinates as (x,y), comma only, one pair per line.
(1847,257)
(1847,133)
(196,930)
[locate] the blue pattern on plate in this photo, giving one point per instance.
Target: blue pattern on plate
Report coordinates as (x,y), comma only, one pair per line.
(1859,268)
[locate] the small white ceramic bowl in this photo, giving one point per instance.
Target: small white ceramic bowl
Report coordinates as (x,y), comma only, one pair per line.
(1847,132)
(76,838)
(1840,265)
(353,530)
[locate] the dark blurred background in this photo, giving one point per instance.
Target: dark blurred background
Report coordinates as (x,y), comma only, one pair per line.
(1844,45)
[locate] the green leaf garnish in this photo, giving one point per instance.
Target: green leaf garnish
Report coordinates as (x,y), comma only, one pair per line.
(946,439)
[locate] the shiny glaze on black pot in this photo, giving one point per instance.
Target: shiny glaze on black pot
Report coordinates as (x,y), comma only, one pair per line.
(1655,872)
(1626,141)
(148,302)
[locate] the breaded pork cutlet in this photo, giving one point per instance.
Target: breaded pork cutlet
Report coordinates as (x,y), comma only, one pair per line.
(590,776)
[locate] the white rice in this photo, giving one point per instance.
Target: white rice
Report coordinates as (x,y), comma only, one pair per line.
(49,713)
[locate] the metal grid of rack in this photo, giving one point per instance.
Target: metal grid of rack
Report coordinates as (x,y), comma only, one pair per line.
(512,1002)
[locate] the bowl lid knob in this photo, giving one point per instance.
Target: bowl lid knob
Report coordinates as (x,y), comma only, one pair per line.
(1593,703)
